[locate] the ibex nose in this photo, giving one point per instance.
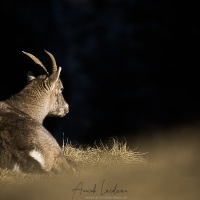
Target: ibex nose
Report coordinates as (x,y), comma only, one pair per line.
(66,108)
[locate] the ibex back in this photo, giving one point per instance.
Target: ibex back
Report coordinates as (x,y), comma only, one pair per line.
(25,145)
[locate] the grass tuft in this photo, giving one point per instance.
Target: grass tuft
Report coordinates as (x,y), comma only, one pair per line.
(102,155)
(83,159)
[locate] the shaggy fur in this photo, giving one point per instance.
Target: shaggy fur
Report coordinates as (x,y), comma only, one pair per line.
(25,144)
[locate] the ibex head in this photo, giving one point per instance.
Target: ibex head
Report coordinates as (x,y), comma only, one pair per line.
(48,87)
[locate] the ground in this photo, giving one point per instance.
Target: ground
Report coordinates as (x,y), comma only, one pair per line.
(113,171)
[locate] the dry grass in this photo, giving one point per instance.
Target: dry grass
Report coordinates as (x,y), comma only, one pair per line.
(174,174)
(102,155)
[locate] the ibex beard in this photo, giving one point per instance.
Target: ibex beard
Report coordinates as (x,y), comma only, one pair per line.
(25,144)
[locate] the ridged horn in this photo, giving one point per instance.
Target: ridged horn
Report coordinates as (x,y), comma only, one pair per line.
(36,60)
(53,60)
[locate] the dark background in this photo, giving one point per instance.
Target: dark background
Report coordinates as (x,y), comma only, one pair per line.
(128,65)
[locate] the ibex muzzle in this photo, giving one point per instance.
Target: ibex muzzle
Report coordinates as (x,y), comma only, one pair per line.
(25,144)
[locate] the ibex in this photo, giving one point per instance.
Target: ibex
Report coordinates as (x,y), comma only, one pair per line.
(25,144)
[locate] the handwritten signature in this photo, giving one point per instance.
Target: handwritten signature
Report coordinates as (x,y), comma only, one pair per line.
(102,190)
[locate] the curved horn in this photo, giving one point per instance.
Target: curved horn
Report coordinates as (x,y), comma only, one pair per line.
(54,65)
(36,60)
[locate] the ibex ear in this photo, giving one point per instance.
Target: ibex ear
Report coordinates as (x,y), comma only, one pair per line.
(30,77)
(54,78)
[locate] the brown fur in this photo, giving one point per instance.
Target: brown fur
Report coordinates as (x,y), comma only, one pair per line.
(21,129)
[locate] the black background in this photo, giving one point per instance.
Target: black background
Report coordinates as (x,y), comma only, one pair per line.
(128,66)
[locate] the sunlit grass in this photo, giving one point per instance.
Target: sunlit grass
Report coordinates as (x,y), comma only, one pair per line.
(173,174)
(86,158)
(103,155)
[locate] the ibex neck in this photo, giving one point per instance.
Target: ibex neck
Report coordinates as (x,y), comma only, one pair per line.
(32,105)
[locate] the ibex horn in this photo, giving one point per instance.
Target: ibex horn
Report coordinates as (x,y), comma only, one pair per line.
(54,65)
(36,60)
